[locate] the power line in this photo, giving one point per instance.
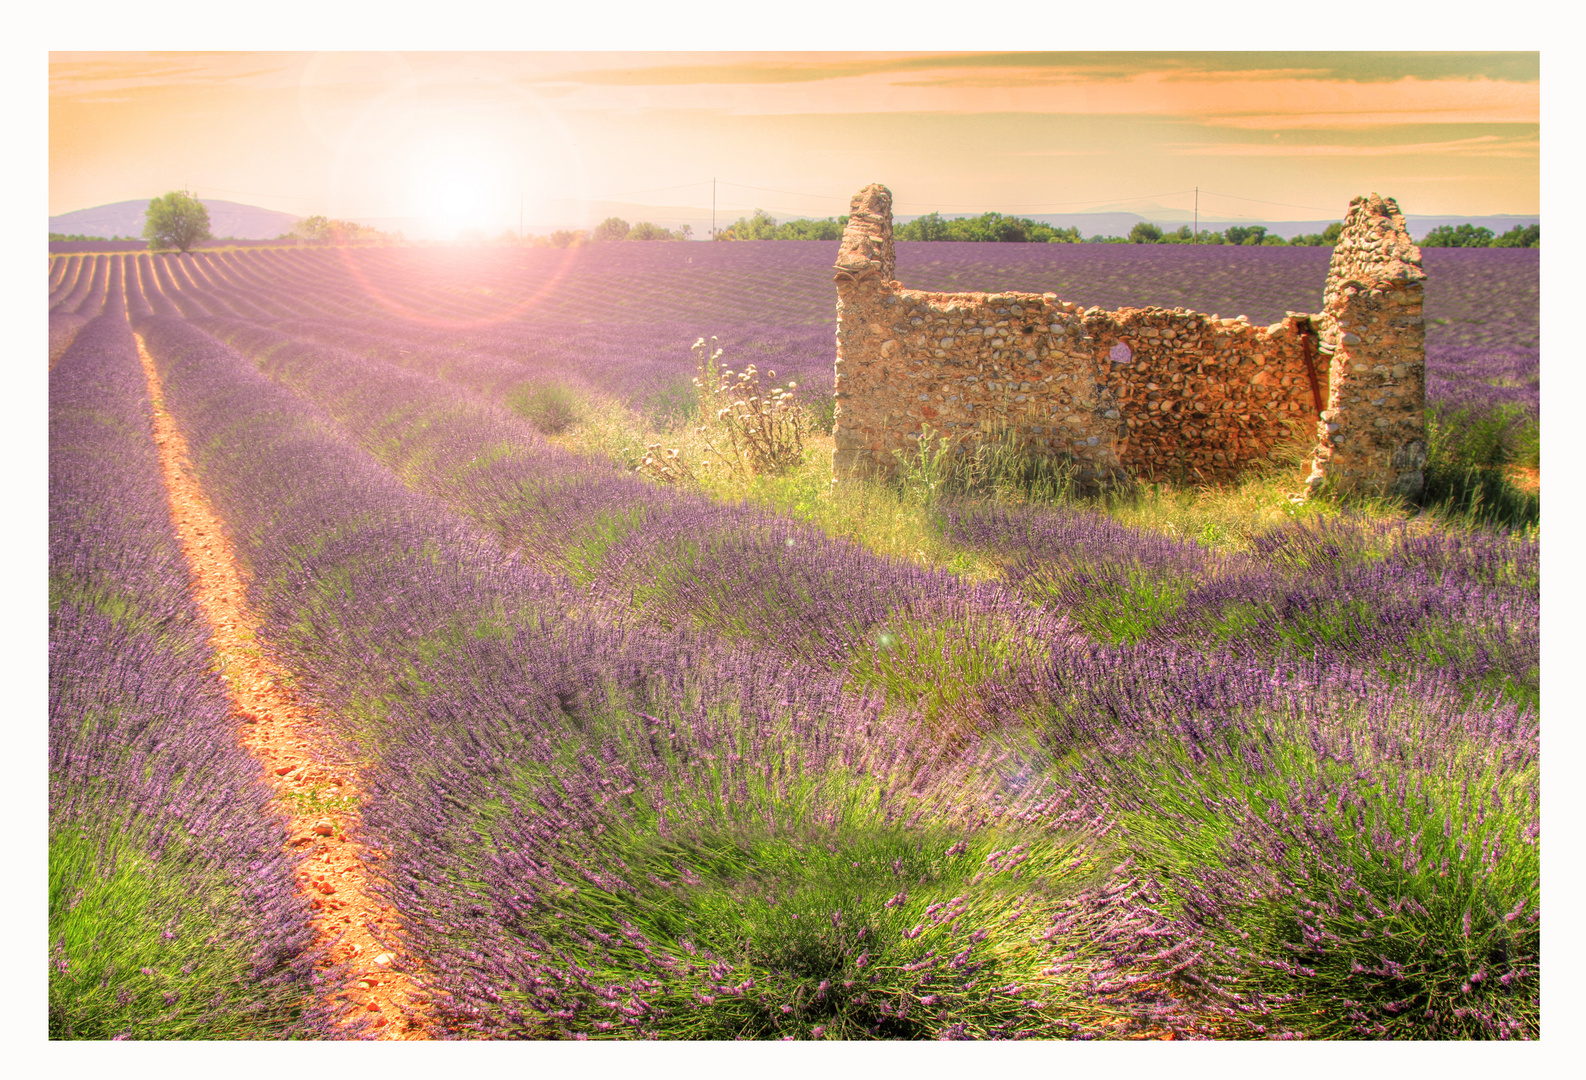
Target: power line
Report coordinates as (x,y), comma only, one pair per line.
(779,191)
(1269,202)
(1076,202)
(647,191)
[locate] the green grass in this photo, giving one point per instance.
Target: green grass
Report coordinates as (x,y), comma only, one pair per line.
(550,406)
(901,518)
(151,950)
(1397,904)
(803,906)
(1471,466)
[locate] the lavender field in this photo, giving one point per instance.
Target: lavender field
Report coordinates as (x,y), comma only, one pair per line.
(645,764)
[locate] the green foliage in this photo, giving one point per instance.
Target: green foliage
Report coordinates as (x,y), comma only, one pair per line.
(1145,233)
(320,229)
(793,912)
(550,406)
(987,227)
(1405,903)
(1521,236)
(562,238)
(147,950)
(996,467)
(175,220)
(647,230)
(81,237)
(1470,458)
(613,228)
(927,227)
(762,226)
(748,429)
(1328,237)
(1466,235)
(1250,235)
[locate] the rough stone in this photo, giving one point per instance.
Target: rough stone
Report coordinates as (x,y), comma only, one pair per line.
(1122,386)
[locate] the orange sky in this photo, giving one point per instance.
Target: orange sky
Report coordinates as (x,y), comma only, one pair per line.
(456,139)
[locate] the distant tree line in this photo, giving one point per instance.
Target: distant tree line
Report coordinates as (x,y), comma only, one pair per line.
(319,229)
(990,226)
(762,226)
(614,228)
(83,236)
(1468,235)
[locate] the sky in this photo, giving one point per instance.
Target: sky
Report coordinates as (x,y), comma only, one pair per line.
(446,141)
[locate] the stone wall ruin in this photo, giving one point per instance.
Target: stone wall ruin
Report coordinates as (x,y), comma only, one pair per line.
(1153,393)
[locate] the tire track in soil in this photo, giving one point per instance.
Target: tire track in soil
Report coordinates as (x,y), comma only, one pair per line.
(285,737)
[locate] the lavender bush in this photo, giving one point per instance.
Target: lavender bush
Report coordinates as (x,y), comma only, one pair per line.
(172,909)
(1287,792)
(487,737)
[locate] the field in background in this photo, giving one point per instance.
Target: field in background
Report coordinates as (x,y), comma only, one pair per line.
(959,757)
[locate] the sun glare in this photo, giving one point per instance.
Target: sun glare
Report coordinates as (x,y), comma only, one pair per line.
(462,181)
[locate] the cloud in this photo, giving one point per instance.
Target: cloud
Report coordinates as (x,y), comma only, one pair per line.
(1026,68)
(1477,146)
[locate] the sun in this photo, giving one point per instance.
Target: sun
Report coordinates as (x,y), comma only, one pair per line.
(460,183)
(455,191)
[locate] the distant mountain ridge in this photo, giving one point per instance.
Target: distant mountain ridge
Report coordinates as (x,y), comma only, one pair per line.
(244,222)
(1118,222)
(238,220)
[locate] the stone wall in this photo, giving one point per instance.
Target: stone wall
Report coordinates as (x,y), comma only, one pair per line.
(1156,393)
(1372,437)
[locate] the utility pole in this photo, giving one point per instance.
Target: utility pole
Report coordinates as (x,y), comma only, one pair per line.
(713,208)
(1195,236)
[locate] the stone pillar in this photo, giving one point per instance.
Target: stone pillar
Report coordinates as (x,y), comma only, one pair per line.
(865,268)
(1371,438)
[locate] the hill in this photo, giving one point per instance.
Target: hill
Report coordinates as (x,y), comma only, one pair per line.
(237,220)
(1119,222)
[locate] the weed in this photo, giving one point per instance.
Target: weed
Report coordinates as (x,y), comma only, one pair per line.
(551,407)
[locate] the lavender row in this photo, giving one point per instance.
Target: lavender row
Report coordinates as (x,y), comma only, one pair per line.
(1474,296)
(172,908)
(1346,860)
(1147,705)
(601,316)
(525,756)
(645,365)
(1141,685)
(677,557)
(1379,607)
(1354,593)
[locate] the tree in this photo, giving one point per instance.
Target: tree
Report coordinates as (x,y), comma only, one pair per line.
(1248,235)
(1466,236)
(1145,233)
(760,227)
(925,227)
(613,228)
(175,220)
(648,230)
(1522,236)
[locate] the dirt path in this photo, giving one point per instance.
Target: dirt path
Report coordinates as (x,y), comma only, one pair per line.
(319,797)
